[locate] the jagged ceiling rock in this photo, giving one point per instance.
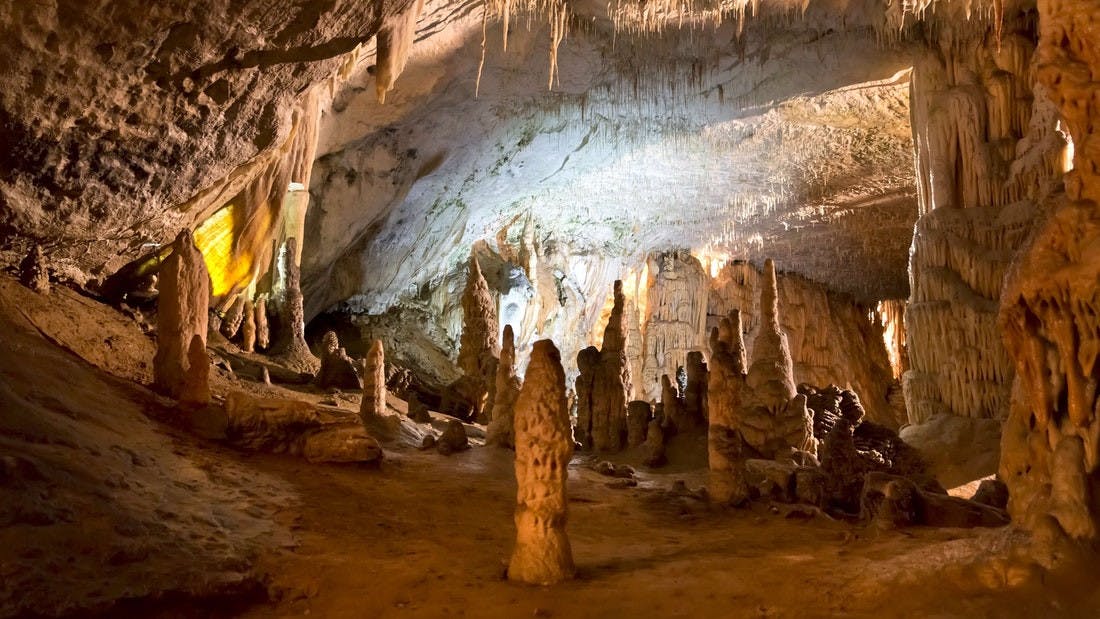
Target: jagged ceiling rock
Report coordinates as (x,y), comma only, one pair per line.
(791,140)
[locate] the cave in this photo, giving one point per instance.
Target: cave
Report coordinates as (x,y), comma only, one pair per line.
(428,308)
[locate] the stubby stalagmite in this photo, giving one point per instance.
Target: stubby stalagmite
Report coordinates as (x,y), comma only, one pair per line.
(180,367)
(544,446)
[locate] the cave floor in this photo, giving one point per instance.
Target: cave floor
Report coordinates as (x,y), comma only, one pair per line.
(118,506)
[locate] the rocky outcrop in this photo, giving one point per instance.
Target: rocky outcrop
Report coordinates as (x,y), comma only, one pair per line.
(478,351)
(453,439)
(544,446)
(180,367)
(612,385)
(34,273)
(508,384)
(773,418)
(337,368)
(638,414)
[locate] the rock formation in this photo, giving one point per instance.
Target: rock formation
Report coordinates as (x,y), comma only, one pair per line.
(588,360)
(337,368)
(544,446)
(34,272)
(231,321)
(248,326)
(453,439)
(263,331)
(373,405)
(180,367)
(671,405)
(773,417)
(725,386)
(612,386)
(695,394)
(655,454)
(478,350)
(290,343)
(638,414)
(676,321)
(508,384)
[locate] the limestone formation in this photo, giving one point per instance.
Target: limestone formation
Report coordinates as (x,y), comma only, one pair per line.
(231,322)
(418,411)
(478,350)
(695,394)
(544,446)
(180,367)
(248,326)
(263,331)
(1050,450)
(725,384)
(453,439)
(508,384)
(34,272)
(342,444)
(655,454)
(612,384)
(671,405)
(638,414)
(588,359)
(373,405)
(676,317)
(773,417)
(337,368)
(290,342)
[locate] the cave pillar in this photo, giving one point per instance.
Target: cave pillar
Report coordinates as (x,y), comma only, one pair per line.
(1050,308)
(291,338)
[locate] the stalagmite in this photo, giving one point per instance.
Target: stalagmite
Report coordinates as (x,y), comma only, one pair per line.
(773,417)
(612,385)
(33,271)
(248,327)
(695,395)
(725,384)
(180,367)
(638,414)
(478,349)
(337,368)
(290,344)
(373,405)
(263,331)
(231,322)
(588,359)
(671,405)
(508,384)
(544,446)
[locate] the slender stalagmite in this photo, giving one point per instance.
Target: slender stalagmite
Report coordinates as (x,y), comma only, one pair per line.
(478,350)
(725,383)
(373,405)
(612,387)
(544,446)
(248,327)
(291,338)
(263,331)
(501,427)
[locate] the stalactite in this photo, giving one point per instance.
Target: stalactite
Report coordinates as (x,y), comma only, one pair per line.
(394,41)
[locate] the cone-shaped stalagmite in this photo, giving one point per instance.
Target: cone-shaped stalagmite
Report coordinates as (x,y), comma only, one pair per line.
(508,384)
(33,272)
(373,405)
(291,337)
(478,351)
(773,417)
(544,446)
(612,386)
(588,359)
(180,367)
(725,384)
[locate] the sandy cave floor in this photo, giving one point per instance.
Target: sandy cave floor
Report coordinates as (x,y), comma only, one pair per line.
(130,508)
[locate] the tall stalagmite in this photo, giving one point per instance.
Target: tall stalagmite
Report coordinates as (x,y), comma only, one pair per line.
(1051,306)
(180,367)
(291,339)
(773,417)
(544,446)
(373,405)
(725,384)
(263,330)
(588,360)
(612,386)
(501,431)
(695,395)
(478,350)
